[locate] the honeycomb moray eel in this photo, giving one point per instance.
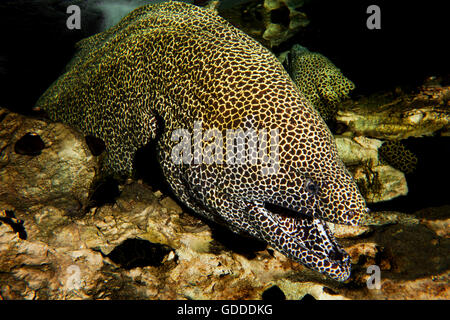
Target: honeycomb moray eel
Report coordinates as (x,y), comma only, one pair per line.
(397,155)
(322,83)
(172,66)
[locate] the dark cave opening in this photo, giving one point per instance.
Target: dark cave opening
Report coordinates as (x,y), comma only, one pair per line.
(104,191)
(30,144)
(133,253)
(274,293)
(280,16)
(16,225)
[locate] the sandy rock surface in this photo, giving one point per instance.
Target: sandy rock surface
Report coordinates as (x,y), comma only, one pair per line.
(144,245)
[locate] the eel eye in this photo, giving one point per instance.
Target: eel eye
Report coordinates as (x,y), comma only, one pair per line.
(311,187)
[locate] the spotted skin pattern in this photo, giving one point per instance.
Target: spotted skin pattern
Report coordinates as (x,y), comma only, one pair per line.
(322,83)
(171,65)
(397,155)
(325,86)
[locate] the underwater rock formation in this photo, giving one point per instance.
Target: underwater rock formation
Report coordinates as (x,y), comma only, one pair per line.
(390,116)
(322,83)
(271,22)
(376,180)
(393,117)
(144,245)
(43,162)
(63,258)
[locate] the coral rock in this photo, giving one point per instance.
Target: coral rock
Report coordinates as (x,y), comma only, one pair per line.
(45,254)
(377,182)
(59,174)
(271,22)
(387,117)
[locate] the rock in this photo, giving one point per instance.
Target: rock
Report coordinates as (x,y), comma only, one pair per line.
(440,227)
(368,250)
(413,260)
(343,231)
(271,22)
(376,181)
(196,266)
(391,116)
(171,205)
(358,150)
(436,219)
(382,218)
(380,183)
(35,270)
(143,245)
(431,288)
(75,261)
(295,290)
(43,162)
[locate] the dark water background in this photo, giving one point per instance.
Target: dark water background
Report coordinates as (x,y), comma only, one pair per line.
(411,46)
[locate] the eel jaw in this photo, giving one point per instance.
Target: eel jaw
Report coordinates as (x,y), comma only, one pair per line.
(308,241)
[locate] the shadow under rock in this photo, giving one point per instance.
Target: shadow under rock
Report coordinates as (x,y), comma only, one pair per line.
(414,250)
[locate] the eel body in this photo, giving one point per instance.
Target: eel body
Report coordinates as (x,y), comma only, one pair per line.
(320,81)
(183,77)
(324,85)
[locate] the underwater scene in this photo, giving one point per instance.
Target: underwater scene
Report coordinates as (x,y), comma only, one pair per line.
(224,150)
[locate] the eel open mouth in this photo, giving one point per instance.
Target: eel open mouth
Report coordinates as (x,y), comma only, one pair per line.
(307,240)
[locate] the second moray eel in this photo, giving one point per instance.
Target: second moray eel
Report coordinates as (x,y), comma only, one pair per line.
(183,69)
(324,85)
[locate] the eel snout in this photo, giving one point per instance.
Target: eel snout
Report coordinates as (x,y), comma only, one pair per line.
(307,240)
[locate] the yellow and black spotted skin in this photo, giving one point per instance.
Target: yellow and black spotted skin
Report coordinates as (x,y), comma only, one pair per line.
(320,81)
(324,85)
(398,156)
(177,63)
